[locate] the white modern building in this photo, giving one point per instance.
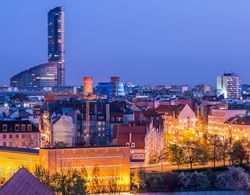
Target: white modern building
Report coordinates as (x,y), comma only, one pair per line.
(229,85)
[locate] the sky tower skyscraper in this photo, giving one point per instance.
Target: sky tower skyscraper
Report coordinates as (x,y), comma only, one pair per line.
(56,50)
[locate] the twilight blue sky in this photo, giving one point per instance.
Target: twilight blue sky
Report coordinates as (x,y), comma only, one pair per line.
(143,41)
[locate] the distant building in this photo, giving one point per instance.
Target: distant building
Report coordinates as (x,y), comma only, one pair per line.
(111,89)
(238,127)
(217,118)
(205,89)
(228,85)
(132,136)
(56,50)
(181,115)
(19,133)
(245,91)
(38,77)
(64,131)
(88,85)
(49,74)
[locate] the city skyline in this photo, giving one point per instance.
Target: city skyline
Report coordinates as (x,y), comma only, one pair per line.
(95,39)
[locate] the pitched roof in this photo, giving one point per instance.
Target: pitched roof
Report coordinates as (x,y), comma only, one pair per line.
(24,183)
(170,109)
(19,150)
(137,135)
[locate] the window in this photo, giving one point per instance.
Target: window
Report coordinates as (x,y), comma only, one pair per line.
(4,127)
(17,127)
(10,136)
(119,119)
(23,136)
(17,136)
(4,143)
(23,127)
(23,144)
(4,136)
(29,136)
(10,144)
(29,127)
(132,145)
(127,144)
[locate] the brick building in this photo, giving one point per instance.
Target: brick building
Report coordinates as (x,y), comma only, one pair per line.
(19,133)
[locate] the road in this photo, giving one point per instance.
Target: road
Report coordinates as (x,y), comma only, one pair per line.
(166,166)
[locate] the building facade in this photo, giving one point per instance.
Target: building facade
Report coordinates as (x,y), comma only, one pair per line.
(132,136)
(112,162)
(19,133)
(217,120)
(38,77)
(56,50)
(228,85)
(49,74)
(64,131)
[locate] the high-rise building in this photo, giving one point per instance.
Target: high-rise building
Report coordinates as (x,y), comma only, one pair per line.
(51,74)
(56,49)
(228,85)
(36,78)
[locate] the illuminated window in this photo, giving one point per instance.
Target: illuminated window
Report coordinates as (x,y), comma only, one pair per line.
(29,127)
(23,127)
(29,136)
(4,127)
(23,144)
(23,136)
(10,144)
(17,127)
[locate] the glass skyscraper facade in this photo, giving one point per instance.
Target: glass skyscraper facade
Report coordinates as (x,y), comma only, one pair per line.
(44,75)
(56,49)
(51,74)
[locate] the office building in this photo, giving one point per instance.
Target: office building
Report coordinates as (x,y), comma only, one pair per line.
(111,89)
(49,74)
(228,85)
(56,49)
(36,78)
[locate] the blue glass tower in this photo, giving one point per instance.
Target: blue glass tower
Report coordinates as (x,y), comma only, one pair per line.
(56,50)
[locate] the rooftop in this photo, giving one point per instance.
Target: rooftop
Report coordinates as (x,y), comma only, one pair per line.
(24,183)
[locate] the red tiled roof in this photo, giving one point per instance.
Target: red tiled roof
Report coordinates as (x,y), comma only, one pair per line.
(137,135)
(24,183)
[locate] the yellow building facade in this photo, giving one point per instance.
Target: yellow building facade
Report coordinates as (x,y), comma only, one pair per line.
(112,162)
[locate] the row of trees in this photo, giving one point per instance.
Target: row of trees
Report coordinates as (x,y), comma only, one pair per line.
(233,178)
(213,150)
(77,182)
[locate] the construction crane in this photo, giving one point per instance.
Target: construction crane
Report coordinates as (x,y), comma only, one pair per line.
(87,125)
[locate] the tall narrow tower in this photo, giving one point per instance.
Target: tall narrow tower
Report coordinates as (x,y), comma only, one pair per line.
(56,49)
